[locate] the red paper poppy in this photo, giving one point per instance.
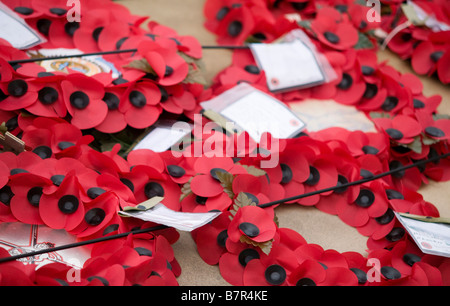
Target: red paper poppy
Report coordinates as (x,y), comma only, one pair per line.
(83,97)
(140,104)
(426,57)
(436,129)
(401,128)
(28,190)
(252,222)
(333,29)
(24,8)
(114,121)
(63,208)
(211,239)
(21,94)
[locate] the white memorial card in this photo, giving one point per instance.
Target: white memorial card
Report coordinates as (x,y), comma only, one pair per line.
(288,65)
(431,237)
(16,31)
(256,112)
(180,220)
(163,136)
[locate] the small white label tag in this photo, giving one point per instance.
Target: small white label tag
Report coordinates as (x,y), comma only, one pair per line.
(16,31)
(288,65)
(164,136)
(256,112)
(180,220)
(431,238)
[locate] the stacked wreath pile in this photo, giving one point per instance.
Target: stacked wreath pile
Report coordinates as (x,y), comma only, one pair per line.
(75,176)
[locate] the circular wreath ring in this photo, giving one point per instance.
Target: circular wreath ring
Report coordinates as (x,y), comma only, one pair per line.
(65,183)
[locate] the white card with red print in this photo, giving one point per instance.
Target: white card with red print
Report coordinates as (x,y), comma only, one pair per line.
(14,30)
(431,235)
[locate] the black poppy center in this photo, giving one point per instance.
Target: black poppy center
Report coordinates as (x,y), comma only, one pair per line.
(305,282)
(169,71)
(360,275)
(176,171)
(95,216)
(222,238)
(367,70)
(390,273)
(314,176)
(365,198)
(57,179)
(58,11)
(43,152)
(434,131)
(94,192)
(342,180)
(386,218)
(17,88)
(111,100)
(275,275)
(247,255)
(34,196)
(371,91)
(249,229)
(71,27)
(222,13)
(252,197)
(213,172)
(395,234)
(346,82)
(6,195)
(436,56)
(252,69)
(331,37)
(390,103)
(393,166)
(137,99)
(43,26)
(48,95)
(201,200)
(418,104)
(24,10)
(68,204)
(79,100)
(394,134)
(120,42)
(370,150)
(410,259)
(153,189)
(96,33)
(287,174)
(235,28)
(62,145)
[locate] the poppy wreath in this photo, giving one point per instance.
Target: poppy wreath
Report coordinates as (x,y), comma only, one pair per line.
(246,242)
(64,181)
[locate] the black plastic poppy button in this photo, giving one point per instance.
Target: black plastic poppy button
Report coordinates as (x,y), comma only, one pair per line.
(360,275)
(68,204)
(79,100)
(235,28)
(305,282)
(394,134)
(143,251)
(94,192)
(410,259)
(17,88)
(434,131)
(249,229)
(222,238)
(365,198)
(331,37)
(346,82)
(342,180)
(246,255)
(48,95)
(169,71)
(43,152)
(222,13)
(395,234)
(252,69)
(34,196)
(252,197)
(71,27)
(137,99)
(153,189)
(287,174)
(390,273)
(201,200)
(386,218)
(17,171)
(111,100)
(371,91)
(213,172)
(370,150)
(96,33)
(6,195)
(390,103)
(367,70)
(65,145)
(275,275)
(57,179)
(24,10)
(314,176)
(58,11)
(176,171)
(43,26)
(95,216)
(418,104)
(436,56)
